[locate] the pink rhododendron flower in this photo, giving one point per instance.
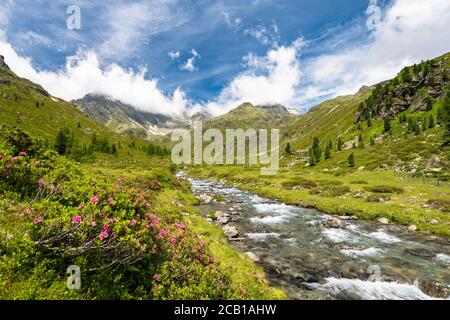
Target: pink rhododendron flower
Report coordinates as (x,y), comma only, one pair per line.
(106,228)
(133,222)
(173,240)
(93,223)
(156,277)
(103,235)
(180,226)
(154,224)
(94,200)
(23,153)
(77,219)
(37,220)
(41,182)
(14,158)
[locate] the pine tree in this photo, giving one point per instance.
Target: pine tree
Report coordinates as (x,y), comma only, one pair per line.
(339,144)
(351,160)
(387,125)
(287,149)
(369,121)
(424,124)
(315,152)
(361,144)
(62,142)
(430,121)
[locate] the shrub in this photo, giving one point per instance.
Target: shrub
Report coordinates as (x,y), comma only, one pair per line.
(110,229)
(385,189)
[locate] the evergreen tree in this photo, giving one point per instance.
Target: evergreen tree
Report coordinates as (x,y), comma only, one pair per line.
(416,128)
(406,75)
(372,141)
(369,121)
(327,152)
(387,125)
(424,124)
(339,144)
(361,144)
(287,149)
(351,160)
(62,142)
(428,104)
(315,152)
(430,121)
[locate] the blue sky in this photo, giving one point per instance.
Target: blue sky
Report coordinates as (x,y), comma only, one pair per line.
(199,54)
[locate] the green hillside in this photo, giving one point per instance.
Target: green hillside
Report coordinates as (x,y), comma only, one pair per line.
(383,152)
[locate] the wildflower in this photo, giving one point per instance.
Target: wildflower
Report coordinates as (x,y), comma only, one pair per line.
(106,228)
(103,235)
(93,223)
(180,226)
(41,182)
(175,256)
(77,219)
(22,153)
(14,158)
(173,241)
(37,220)
(161,234)
(133,222)
(154,223)
(156,277)
(94,200)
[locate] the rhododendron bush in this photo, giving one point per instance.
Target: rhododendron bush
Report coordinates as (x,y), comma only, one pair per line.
(110,229)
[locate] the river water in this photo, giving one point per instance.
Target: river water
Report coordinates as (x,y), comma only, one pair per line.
(363,260)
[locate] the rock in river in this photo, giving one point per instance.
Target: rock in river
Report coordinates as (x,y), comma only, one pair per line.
(334,223)
(230,232)
(435,288)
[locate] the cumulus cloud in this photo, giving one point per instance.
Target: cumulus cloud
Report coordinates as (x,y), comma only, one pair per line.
(174,55)
(83,74)
(189,64)
(410,31)
(270,79)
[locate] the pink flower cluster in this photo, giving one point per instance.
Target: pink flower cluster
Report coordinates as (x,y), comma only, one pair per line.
(37,220)
(77,219)
(105,232)
(94,200)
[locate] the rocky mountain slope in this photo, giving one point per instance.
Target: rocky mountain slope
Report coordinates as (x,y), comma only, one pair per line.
(123,118)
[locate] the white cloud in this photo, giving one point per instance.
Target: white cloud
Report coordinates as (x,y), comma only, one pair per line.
(189,64)
(131,24)
(271,79)
(411,30)
(83,74)
(174,55)
(267,35)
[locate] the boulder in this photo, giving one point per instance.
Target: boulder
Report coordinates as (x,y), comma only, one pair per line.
(383,220)
(333,223)
(230,232)
(412,228)
(435,288)
(434,221)
(252,256)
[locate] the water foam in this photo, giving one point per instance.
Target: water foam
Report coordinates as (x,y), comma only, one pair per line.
(270,219)
(373,290)
(339,235)
(369,252)
(443,258)
(384,237)
(259,236)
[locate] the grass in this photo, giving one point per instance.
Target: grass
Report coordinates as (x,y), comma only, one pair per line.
(406,208)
